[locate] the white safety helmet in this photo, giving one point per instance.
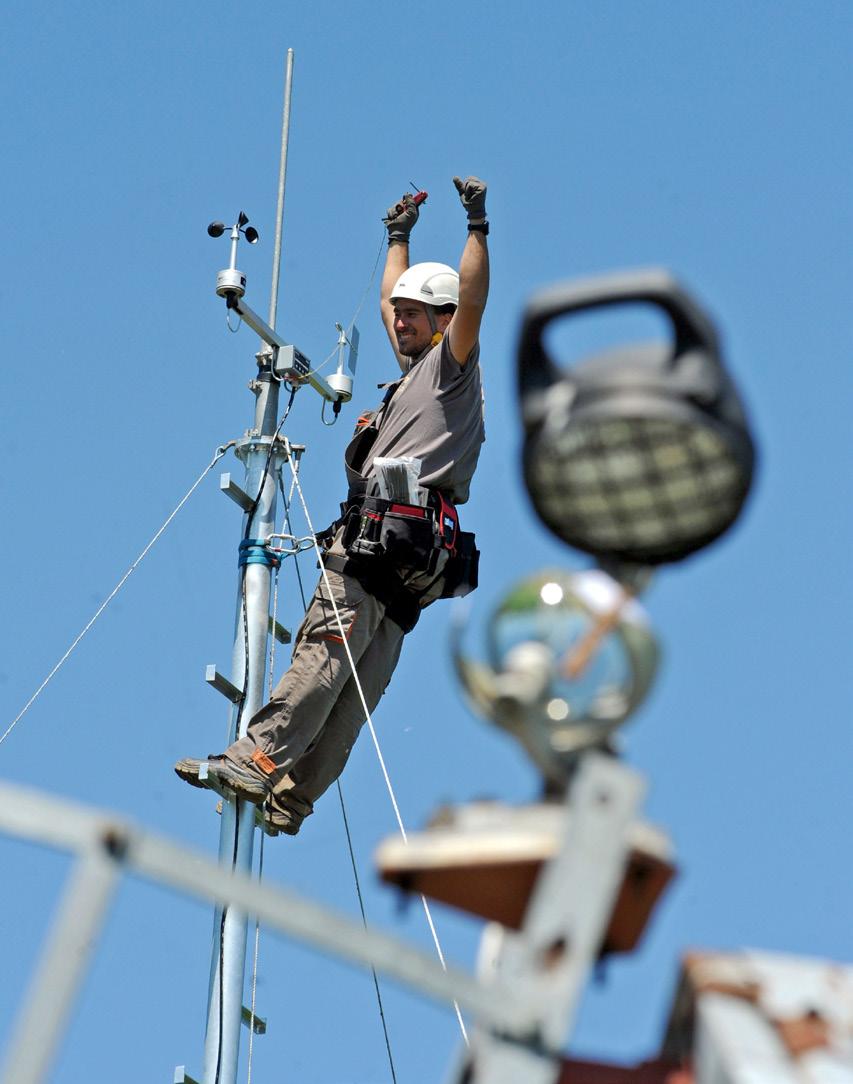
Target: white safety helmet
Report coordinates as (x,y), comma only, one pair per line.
(432,283)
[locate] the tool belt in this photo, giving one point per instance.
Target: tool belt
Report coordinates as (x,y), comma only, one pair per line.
(401,604)
(383,538)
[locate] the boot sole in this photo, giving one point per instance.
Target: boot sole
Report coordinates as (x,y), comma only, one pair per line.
(219,778)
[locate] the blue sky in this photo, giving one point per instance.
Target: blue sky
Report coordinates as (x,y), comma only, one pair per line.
(709,139)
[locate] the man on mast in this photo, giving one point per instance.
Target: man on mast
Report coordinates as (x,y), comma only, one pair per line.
(384,561)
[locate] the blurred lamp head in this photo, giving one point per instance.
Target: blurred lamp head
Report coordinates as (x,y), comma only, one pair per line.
(570,657)
(641,455)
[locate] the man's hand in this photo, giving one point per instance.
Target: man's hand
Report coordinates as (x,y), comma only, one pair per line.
(400,219)
(472,192)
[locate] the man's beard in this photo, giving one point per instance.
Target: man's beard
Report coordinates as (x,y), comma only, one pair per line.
(411,349)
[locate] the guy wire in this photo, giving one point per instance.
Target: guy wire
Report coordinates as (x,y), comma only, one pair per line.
(369,720)
(359,307)
(220,452)
(289,527)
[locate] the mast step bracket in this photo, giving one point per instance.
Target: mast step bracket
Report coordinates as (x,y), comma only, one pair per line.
(259,816)
(254,1023)
(222,684)
(182,1076)
(229,487)
(279,632)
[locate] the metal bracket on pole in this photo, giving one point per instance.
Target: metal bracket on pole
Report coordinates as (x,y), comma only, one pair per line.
(222,684)
(231,489)
(290,363)
(254,1023)
(295,451)
(279,632)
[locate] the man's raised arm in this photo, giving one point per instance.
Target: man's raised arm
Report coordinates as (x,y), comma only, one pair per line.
(464,329)
(399,221)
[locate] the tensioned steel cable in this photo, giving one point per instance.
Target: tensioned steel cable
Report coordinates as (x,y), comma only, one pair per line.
(364,921)
(286,501)
(369,281)
(220,452)
(257,944)
(359,307)
(255,955)
(369,720)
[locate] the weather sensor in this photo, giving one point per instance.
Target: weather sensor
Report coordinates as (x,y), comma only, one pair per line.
(288,362)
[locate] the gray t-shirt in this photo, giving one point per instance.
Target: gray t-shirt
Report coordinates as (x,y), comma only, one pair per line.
(436,414)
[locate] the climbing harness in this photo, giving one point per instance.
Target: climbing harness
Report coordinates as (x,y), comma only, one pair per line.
(296,545)
(388,542)
(411,536)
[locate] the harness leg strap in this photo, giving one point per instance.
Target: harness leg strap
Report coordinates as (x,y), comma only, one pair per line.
(382,581)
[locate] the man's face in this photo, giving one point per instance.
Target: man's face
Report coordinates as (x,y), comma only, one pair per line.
(411,326)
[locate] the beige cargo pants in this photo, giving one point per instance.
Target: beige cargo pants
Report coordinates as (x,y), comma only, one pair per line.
(302,738)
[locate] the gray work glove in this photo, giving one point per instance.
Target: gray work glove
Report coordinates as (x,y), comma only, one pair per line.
(472,192)
(400,219)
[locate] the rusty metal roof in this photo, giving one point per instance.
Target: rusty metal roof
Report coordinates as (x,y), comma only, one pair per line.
(763,1017)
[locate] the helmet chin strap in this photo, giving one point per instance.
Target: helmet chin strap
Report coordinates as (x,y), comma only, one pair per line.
(437,335)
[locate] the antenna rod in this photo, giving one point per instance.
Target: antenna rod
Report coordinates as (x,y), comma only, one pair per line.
(282,177)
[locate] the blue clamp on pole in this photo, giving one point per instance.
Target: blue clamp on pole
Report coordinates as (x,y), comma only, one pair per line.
(253,551)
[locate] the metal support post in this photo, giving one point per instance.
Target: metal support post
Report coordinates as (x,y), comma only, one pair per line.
(262,462)
(225,1000)
(547,963)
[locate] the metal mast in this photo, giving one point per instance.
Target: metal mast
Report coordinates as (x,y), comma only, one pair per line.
(227,970)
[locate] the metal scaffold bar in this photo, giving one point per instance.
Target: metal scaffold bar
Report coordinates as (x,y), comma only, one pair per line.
(63,965)
(111,846)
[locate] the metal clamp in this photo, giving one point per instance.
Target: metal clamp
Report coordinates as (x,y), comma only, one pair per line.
(255,551)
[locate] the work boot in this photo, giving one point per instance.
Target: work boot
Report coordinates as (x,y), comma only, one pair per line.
(280,819)
(216,773)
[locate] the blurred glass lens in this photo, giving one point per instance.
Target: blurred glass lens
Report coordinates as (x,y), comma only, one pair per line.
(642,488)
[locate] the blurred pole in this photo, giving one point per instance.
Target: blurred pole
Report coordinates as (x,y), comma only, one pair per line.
(63,965)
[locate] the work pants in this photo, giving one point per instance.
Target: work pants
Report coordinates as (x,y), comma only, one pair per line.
(313,718)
